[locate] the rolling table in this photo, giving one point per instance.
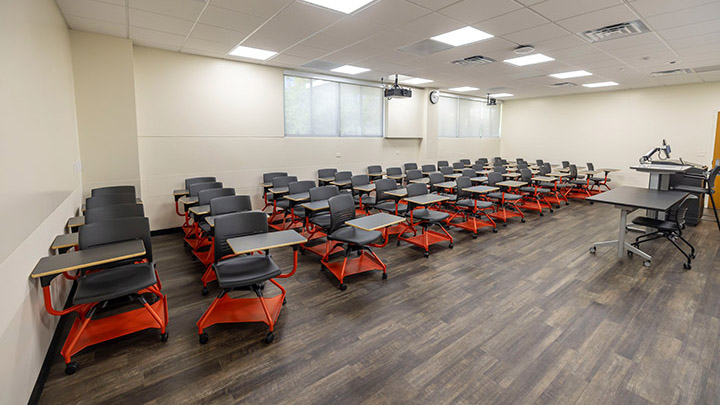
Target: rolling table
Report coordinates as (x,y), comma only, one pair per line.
(428,237)
(502,213)
(660,179)
(628,199)
(472,223)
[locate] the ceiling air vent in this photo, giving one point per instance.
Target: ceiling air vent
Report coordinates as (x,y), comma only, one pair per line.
(672,72)
(563,84)
(476,60)
(615,31)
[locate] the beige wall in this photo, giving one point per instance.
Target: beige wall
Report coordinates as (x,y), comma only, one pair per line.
(105,102)
(614,128)
(42,189)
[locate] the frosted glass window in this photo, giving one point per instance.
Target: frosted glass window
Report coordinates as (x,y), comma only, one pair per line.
(448,119)
(463,118)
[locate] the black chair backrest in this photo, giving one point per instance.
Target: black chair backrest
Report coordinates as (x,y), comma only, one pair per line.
(394,171)
(323,193)
(283,181)
(500,169)
(195,188)
(547,167)
(463,182)
(360,180)
(468,172)
(228,204)
(678,211)
(112,190)
(539,162)
(302,186)
(544,170)
(343,176)
(326,173)
(503,161)
(465,161)
(268,177)
(446,170)
(590,166)
(711,179)
(416,189)
(381,186)
(478,167)
(494,178)
(374,169)
(436,177)
(114,211)
(565,164)
(205,196)
(428,168)
(413,174)
(522,165)
(409,166)
(458,165)
(497,161)
(194,180)
(482,161)
(116,230)
(442,163)
(109,199)
(342,208)
(234,225)
(525,174)
(573,171)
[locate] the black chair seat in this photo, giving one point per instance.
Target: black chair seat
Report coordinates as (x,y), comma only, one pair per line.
(508,196)
(540,190)
(564,185)
(599,179)
(471,203)
(356,236)
(655,223)
(367,199)
(429,215)
(205,226)
(691,189)
(579,182)
(389,206)
(322,220)
(114,282)
(242,271)
(547,184)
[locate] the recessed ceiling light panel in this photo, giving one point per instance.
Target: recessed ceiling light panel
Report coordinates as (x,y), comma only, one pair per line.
(462,36)
(529,60)
(463,89)
(499,95)
(600,84)
(252,53)
(350,70)
(569,75)
(343,6)
(415,80)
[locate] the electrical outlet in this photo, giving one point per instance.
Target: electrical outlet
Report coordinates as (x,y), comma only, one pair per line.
(338,155)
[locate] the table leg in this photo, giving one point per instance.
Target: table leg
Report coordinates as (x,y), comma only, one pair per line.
(620,243)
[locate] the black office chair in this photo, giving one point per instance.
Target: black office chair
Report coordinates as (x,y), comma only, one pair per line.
(321,219)
(500,169)
(446,170)
(477,167)
(428,168)
(196,239)
(413,174)
(112,190)
(482,161)
(267,179)
(534,194)
(468,172)
(458,165)
(205,196)
(442,163)
(96,289)
(708,189)
(187,186)
(297,212)
(669,228)
(539,162)
(435,178)
(344,176)
(565,164)
(195,188)
(426,218)
(351,239)
(598,181)
(243,272)
(362,198)
(109,199)
(114,211)
(505,201)
(465,161)
(385,202)
(409,166)
(325,174)
(469,207)
(280,204)
(375,172)
(395,172)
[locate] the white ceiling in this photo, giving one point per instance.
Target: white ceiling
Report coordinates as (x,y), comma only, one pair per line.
(684,34)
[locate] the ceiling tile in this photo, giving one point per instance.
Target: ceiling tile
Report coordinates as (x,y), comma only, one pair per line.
(649,8)
(536,34)
(262,8)
(473,11)
(305,51)
(145,35)
(690,30)
(288,60)
(217,34)
(557,44)
(209,46)
(434,4)
(115,2)
(560,9)
(97,26)
(391,13)
(93,9)
(157,45)
(431,25)
(686,16)
(200,52)
(231,20)
(158,22)
(185,9)
(511,22)
(598,19)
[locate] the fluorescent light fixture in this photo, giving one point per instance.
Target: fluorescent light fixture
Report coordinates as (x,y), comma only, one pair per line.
(343,6)
(529,60)
(600,84)
(415,80)
(570,75)
(462,36)
(498,95)
(350,70)
(464,88)
(252,53)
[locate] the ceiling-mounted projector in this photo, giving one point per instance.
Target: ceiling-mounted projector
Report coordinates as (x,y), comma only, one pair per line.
(396,91)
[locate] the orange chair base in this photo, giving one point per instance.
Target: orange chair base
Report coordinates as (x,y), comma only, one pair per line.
(578,195)
(472,224)
(321,249)
(101,330)
(365,262)
(504,214)
(533,205)
(427,238)
(237,310)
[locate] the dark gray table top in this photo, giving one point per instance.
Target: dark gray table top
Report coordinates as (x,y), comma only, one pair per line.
(479,179)
(426,199)
(65,241)
(298,197)
(200,209)
(316,205)
(400,192)
(481,189)
(637,197)
(74,222)
(264,241)
(446,184)
(181,192)
(453,175)
(365,187)
(80,259)
(375,221)
(660,168)
(188,200)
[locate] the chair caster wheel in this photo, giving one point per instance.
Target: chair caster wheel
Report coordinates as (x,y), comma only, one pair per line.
(692,256)
(397,243)
(687,266)
(630,253)
(593,250)
(205,291)
(164,336)
(384,276)
(591,202)
(269,338)
(426,254)
(551,211)
(494,230)
(204,338)
(72,368)
(504,225)
(522,220)
(302,251)
(646,263)
(474,236)
(284,301)
(450,246)
(567,203)
(343,287)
